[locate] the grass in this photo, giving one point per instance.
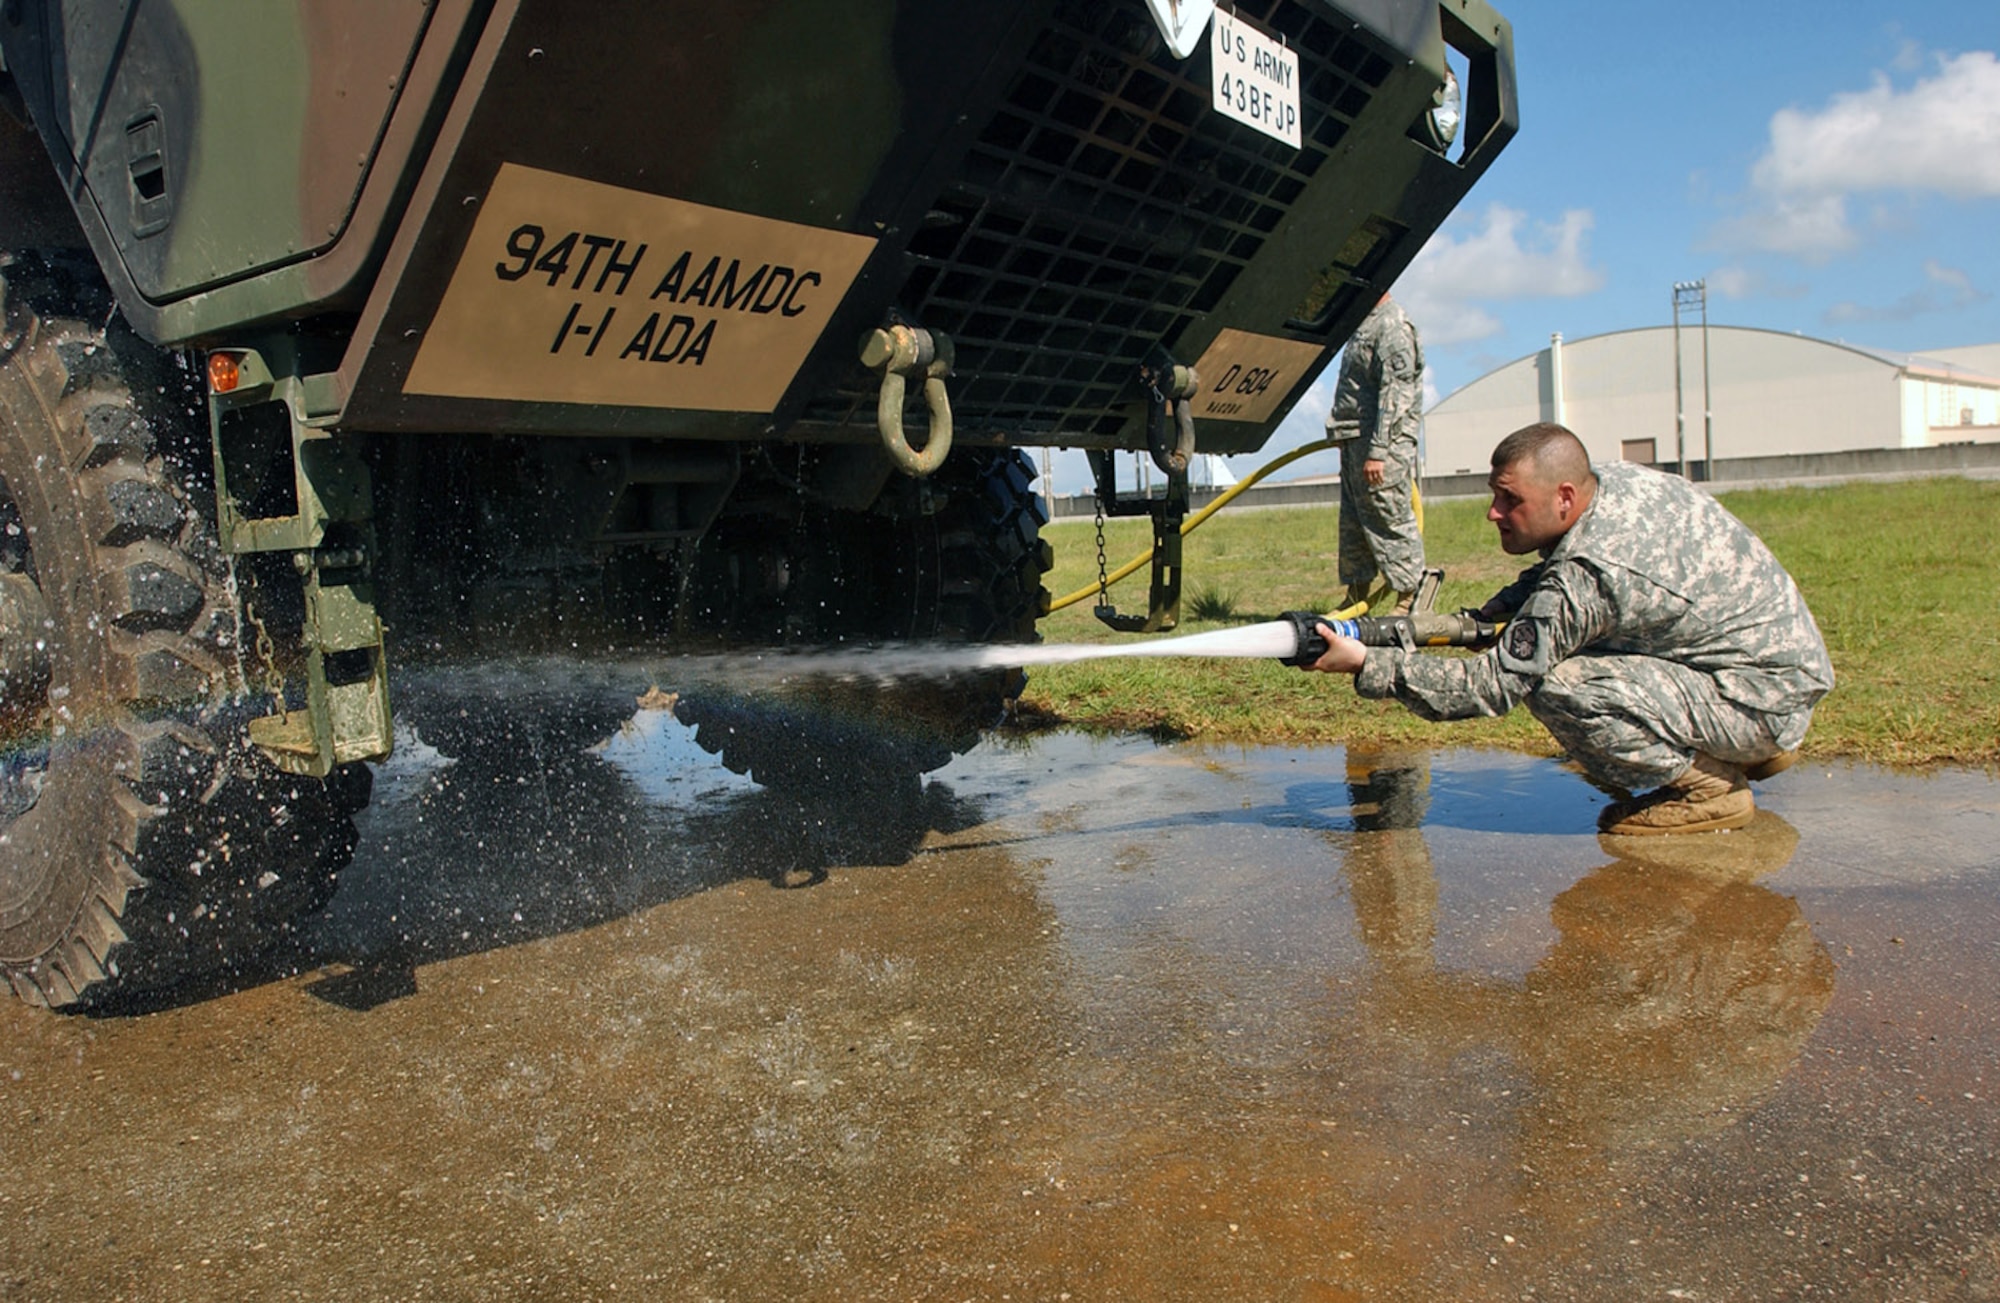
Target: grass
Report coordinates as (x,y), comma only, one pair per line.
(1901,577)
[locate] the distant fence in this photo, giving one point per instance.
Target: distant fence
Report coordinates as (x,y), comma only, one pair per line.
(1978,459)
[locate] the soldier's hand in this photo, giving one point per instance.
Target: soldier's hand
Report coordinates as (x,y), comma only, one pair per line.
(1344,655)
(1373,470)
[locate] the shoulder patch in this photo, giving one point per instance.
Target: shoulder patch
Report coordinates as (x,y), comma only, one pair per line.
(1523,648)
(1521,640)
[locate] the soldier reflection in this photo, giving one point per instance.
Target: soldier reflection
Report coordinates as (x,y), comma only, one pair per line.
(1678,991)
(1388,867)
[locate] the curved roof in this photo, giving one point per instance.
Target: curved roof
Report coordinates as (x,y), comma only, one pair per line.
(1745,390)
(1917,363)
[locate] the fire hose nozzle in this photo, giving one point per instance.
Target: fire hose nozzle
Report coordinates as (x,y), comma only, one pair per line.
(1406,631)
(1311,646)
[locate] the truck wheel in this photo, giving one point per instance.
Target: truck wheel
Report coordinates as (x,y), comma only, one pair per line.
(983,555)
(142,841)
(969,572)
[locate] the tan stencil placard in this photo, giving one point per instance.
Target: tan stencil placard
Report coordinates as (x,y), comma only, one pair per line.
(1244,376)
(571,291)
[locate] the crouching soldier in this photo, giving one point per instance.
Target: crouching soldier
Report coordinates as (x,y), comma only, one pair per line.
(1657,638)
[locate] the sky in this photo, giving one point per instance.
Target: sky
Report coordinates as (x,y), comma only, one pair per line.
(1828,168)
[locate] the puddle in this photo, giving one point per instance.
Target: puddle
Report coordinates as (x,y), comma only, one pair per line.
(1084,1018)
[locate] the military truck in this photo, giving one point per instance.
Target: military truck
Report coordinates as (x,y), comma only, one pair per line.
(347,337)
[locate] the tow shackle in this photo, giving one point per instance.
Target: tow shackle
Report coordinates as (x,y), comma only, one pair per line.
(900,352)
(1170,415)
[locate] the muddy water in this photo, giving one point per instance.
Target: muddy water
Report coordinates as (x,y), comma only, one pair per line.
(1090,1020)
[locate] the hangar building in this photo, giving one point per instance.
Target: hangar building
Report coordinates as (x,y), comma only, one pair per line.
(1769,392)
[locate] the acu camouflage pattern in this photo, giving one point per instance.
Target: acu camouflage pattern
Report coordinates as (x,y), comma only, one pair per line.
(1376,406)
(1659,626)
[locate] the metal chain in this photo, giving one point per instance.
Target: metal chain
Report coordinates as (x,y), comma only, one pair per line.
(1103,585)
(274,682)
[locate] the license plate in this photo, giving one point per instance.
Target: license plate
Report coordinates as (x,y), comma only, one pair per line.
(1256,78)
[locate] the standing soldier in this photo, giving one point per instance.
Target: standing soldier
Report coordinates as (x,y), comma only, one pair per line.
(1376,405)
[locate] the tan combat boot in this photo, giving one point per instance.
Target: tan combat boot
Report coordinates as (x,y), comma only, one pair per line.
(1405,602)
(1710,796)
(1771,768)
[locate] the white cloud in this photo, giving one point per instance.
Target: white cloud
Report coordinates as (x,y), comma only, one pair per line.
(1940,135)
(1945,288)
(1313,407)
(1813,227)
(1909,56)
(1506,256)
(1739,282)
(1952,278)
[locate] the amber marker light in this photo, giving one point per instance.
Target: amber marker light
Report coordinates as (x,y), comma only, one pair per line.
(223,373)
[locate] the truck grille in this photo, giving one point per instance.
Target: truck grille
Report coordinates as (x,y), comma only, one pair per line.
(1104,208)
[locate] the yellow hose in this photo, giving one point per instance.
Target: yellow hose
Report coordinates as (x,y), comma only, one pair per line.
(1189,525)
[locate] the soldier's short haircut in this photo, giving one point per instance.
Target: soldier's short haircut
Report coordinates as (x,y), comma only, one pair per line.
(1554,451)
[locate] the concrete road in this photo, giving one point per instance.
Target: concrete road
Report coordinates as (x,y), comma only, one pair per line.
(1089,1020)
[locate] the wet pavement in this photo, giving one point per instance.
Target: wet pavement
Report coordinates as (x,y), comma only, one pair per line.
(1088,1020)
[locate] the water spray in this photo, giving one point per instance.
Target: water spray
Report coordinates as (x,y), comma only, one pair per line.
(1292,639)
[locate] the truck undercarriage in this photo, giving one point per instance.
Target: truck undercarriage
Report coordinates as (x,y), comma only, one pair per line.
(508,328)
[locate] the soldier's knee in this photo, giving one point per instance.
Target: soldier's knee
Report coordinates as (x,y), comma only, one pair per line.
(1567,680)
(1569,694)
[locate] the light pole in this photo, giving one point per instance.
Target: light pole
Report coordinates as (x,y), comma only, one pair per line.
(1692,296)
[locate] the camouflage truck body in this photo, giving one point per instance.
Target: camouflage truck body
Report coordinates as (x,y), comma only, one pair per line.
(515,324)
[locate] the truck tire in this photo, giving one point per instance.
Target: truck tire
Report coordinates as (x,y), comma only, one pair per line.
(969,572)
(984,555)
(142,840)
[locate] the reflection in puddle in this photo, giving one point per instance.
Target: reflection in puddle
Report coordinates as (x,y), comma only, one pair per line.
(1084,1017)
(1376,1113)
(465,855)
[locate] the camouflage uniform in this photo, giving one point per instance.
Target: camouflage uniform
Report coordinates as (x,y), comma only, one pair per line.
(1376,405)
(1657,627)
